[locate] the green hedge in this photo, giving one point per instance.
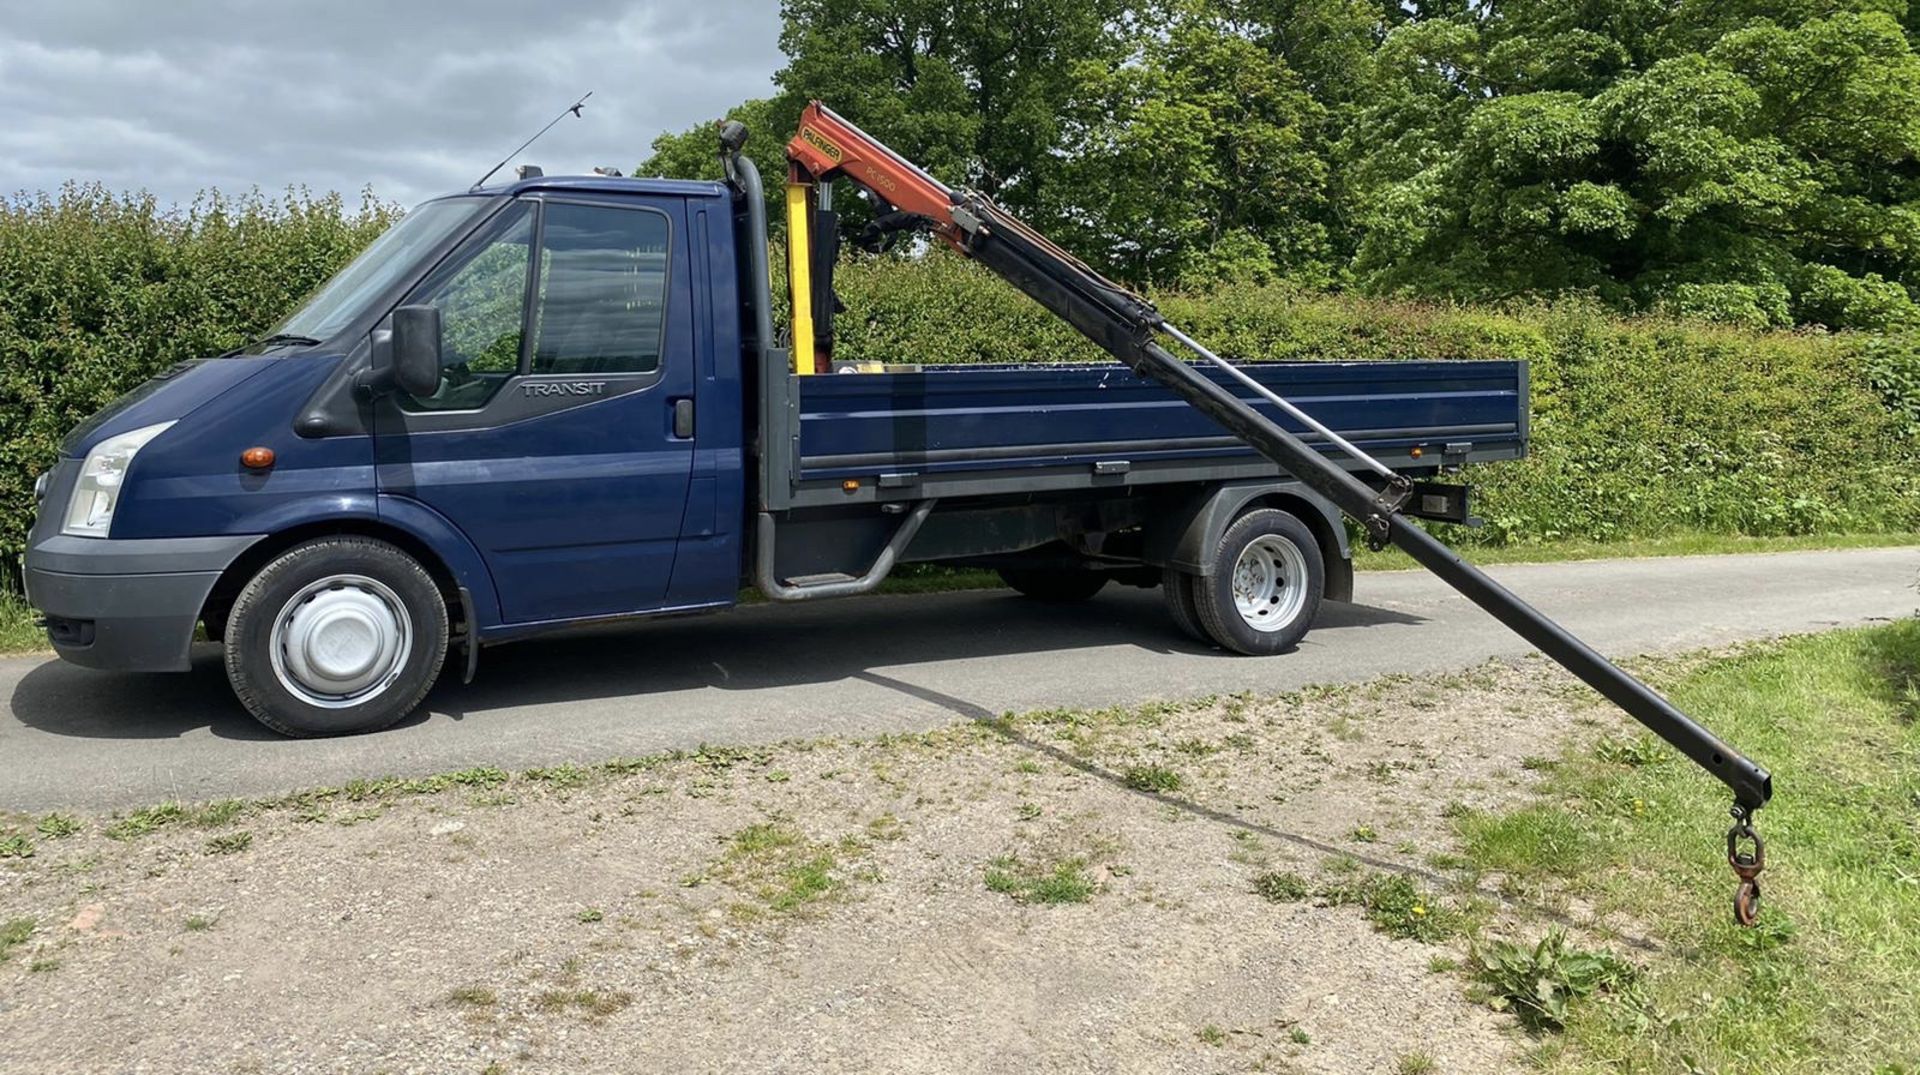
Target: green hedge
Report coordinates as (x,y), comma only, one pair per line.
(98,291)
(1642,428)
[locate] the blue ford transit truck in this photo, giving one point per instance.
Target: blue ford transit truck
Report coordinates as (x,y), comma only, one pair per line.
(561,401)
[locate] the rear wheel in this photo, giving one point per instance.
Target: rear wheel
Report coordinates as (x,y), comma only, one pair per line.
(334,636)
(1060,587)
(1268,576)
(1177,588)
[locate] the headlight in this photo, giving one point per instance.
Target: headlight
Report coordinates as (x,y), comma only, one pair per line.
(90,511)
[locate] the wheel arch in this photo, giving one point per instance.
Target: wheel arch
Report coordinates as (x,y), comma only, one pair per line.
(419,533)
(1184,538)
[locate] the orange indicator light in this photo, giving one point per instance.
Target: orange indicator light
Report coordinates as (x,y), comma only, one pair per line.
(257,458)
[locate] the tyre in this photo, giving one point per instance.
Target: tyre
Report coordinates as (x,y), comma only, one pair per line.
(1176,587)
(1060,587)
(335,636)
(1266,584)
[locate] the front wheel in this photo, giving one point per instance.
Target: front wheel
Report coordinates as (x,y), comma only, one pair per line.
(334,636)
(1267,579)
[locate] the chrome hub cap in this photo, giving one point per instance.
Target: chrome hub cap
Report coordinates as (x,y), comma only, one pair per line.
(341,640)
(1270,583)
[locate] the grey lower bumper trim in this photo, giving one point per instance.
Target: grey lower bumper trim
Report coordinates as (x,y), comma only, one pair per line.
(142,599)
(141,623)
(71,555)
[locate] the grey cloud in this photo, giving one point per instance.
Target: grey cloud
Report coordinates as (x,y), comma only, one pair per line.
(409,99)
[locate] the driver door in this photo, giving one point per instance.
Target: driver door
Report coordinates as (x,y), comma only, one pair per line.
(560,438)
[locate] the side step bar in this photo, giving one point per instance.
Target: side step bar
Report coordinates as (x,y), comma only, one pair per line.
(766,577)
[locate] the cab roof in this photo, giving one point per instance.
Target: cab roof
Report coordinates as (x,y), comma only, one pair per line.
(607,184)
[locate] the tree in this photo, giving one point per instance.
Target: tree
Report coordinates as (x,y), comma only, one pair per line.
(695,152)
(1198,158)
(1700,158)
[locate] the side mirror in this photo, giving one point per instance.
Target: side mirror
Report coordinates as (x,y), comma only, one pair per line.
(416,349)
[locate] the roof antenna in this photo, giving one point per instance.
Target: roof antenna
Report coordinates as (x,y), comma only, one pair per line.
(573,109)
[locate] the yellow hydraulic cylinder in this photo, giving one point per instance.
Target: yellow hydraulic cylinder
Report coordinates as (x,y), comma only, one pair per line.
(800,273)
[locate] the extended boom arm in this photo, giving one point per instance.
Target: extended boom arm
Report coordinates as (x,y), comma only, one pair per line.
(1128,327)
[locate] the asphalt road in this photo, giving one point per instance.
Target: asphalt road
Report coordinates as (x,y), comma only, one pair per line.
(77,739)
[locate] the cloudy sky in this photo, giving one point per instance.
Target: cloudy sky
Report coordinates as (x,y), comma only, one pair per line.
(410,97)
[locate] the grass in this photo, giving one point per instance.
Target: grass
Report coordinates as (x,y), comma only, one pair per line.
(473,997)
(1281,887)
(231,843)
(14,933)
(1156,778)
(588,1002)
(18,631)
(779,866)
(56,825)
(1365,559)
(934,578)
(1058,881)
(1827,982)
(19,634)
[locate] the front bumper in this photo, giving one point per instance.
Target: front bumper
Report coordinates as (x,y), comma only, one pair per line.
(127,605)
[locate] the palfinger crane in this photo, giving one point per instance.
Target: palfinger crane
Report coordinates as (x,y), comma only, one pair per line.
(827,147)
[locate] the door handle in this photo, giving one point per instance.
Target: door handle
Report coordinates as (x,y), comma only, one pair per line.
(683,419)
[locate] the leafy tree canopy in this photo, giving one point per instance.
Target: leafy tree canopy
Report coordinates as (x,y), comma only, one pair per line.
(1751,161)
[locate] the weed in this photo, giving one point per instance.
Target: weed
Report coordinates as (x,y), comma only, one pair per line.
(1027,811)
(1416,1063)
(1063,881)
(150,820)
(1442,965)
(1638,752)
(779,865)
(565,775)
(472,996)
(1538,984)
(590,1003)
(55,826)
(1028,766)
(591,914)
(1396,906)
(16,846)
(1364,834)
(1155,778)
(1281,887)
(14,933)
(1299,1036)
(1212,1035)
(231,843)
(215,814)
(198,923)
(43,966)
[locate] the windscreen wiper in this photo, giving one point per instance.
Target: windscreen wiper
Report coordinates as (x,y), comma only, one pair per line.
(277,338)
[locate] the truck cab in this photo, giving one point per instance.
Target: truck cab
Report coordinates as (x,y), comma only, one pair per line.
(561,467)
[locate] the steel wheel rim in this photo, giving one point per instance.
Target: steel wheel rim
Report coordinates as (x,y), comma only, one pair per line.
(1270,583)
(340,641)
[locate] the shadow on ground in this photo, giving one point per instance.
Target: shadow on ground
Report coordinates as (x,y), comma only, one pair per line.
(756,648)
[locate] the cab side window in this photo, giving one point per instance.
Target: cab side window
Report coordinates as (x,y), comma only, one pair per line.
(602,290)
(482,303)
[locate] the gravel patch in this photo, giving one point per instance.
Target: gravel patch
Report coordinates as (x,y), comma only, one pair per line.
(1060,892)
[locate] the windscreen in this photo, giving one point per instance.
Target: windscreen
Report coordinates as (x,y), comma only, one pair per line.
(397,252)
